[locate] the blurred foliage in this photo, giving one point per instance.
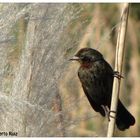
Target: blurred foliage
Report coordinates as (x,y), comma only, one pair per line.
(135,11)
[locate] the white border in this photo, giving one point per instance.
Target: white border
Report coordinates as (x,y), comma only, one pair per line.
(69,1)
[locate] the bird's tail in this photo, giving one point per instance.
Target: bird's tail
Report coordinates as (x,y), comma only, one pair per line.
(124,119)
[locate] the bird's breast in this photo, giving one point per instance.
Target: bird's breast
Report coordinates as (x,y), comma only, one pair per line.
(85,75)
(86,65)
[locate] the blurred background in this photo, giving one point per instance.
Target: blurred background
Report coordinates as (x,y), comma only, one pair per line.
(40,93)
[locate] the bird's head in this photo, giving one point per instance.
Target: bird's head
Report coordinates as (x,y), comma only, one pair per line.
(87,56)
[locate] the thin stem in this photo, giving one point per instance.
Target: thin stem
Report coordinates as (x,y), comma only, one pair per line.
(118,67)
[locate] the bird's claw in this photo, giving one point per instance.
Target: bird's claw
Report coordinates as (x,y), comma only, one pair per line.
(109,116)
(117,75)
(107,112)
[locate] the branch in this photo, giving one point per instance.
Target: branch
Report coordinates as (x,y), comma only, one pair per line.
(118,67)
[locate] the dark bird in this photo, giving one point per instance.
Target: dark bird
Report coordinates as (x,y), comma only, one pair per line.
(96,77)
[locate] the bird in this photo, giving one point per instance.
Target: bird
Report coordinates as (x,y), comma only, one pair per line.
(96,77)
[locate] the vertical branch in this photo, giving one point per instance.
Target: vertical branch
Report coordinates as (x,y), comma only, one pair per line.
(118,67)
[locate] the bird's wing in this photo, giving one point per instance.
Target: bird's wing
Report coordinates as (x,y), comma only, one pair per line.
(97,85)
(95,106)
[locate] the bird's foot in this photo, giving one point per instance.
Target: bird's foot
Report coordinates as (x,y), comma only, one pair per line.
(117,75)
(108,112)
(105,109)
(109,116)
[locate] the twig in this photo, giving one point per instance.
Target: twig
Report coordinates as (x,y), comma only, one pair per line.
(118,67)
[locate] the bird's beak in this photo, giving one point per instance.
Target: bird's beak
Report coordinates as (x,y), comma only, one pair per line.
(75,58)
